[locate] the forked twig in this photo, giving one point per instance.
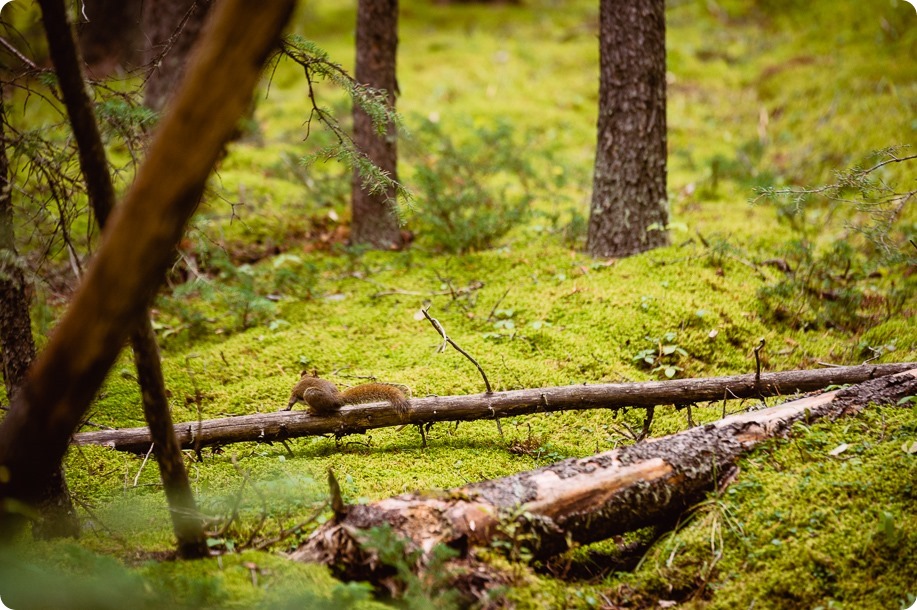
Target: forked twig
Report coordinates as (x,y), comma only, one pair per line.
(442,331)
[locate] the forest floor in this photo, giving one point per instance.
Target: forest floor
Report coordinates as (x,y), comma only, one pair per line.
(500,101)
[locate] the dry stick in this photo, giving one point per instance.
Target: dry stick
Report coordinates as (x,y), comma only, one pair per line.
(581,500)
(94,165)
(442,331)
(357,419)
(143,464)
(284,533)
(758,348)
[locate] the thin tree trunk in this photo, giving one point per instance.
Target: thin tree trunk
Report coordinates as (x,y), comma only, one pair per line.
(579,500)
(172,28)
(16,342)
(55,507)
(269,427)
(186,521)
(374,221)
(629,212)
(136,249)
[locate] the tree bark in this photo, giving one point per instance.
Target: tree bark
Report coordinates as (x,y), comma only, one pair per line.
(374,221)
(187,524)
(136,249)
(580,500)
(268,427)
(69,71)
(110,38)
(629,212)
(57,517)
(172,28)
(16,342)
(186,520)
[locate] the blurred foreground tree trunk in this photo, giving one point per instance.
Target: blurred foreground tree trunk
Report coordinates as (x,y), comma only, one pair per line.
(171,28)
(374,219)
(629,212)
(136,249)
(57,517)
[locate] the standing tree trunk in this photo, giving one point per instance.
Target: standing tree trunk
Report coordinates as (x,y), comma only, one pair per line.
(374,221)
(172,27)
(16,342)
(136,250)
(110,38)
(186,520)
(629,212)
(55,506)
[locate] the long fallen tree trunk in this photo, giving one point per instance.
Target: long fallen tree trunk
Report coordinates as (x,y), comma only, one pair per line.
(357,419)
(579,500)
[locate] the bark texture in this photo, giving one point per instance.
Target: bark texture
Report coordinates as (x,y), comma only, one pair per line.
(57,517)
(109,37)
(16,342)
(136,249)
(374,221)
(69,71)
(268,427)
(629,211)
(186,520)
(580,500)
(172,28)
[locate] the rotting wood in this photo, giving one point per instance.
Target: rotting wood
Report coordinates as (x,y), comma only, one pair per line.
(581,500)
(356,419)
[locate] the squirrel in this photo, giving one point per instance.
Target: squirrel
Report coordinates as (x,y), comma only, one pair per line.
(323,397)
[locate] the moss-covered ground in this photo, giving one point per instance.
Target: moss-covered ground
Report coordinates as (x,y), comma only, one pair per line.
(761,94)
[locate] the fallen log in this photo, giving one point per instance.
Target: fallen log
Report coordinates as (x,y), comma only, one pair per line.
(357,419)
(578,500)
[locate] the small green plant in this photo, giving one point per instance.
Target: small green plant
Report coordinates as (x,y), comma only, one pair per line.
(515,539)
(503,324)
(662,355)
(471,192)
(430,586)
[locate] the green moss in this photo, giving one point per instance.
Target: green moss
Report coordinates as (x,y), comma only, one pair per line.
(765,93)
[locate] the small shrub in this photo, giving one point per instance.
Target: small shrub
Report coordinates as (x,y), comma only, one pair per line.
(861,276)
(470,193)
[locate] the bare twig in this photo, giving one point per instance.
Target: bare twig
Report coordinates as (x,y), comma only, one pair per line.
(285,533)
(142,464)
(442,331)
(493,310)
(758,348)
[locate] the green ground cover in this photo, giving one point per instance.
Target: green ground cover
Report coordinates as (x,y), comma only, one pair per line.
(761,94)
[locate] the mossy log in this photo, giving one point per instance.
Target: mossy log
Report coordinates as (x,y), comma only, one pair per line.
(268,427)
(579,500)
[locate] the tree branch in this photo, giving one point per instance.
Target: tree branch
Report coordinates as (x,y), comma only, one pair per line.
(357,419)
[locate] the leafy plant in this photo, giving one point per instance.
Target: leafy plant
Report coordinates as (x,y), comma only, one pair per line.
(429,589)
(662,355)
